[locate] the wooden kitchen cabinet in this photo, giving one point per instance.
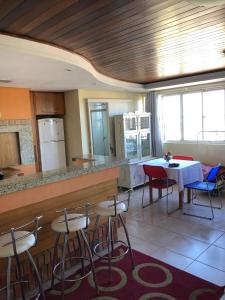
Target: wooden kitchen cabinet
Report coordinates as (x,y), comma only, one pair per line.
(49,103)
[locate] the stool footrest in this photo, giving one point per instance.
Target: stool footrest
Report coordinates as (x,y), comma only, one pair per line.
(104,257)
(70,258)
(23,282)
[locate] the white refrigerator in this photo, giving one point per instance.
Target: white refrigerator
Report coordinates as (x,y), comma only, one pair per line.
(52,145)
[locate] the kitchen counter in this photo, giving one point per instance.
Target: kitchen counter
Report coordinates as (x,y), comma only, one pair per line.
(88,180)
(86,164)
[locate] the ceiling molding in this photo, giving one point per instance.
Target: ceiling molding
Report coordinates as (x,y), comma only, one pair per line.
(213,77)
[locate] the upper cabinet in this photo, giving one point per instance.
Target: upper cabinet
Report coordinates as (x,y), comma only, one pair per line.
(49,103)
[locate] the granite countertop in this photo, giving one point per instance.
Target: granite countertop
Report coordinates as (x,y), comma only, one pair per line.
(91,164)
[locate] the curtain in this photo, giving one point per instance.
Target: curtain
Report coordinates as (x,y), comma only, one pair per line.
(151,105)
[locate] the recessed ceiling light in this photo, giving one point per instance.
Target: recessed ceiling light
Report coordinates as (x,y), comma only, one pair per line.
(5,81)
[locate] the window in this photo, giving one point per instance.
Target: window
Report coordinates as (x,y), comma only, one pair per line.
(193,116)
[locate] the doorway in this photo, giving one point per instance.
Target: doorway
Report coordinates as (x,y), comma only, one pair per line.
(99,128)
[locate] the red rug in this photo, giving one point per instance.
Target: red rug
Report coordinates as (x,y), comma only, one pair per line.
(151,279)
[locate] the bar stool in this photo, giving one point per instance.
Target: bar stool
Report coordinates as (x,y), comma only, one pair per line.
(72,222)
(13,243)
(111,209)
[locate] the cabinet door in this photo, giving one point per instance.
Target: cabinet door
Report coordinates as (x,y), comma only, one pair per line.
(145,144)
(131,145)
(49,103)
(58,103)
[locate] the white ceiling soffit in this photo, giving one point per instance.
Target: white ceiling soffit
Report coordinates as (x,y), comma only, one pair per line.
(39,66)
(207,2)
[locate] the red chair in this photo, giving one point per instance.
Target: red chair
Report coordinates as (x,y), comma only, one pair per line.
(183,157)
(159,180)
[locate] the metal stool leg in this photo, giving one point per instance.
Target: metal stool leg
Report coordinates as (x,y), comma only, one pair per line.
(95,231)
(20,276)
(91,259)
(109,250)
(128,242)
(9,277)
(63,264)
(111,238)
(37,274)
(80,250)
(54,258)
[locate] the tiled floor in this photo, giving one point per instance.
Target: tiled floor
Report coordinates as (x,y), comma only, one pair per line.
(188,243)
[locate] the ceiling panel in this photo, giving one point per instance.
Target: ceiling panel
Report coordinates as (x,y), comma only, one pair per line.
(140,41)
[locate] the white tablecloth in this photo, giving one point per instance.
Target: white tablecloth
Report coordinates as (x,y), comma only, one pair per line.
(187,172)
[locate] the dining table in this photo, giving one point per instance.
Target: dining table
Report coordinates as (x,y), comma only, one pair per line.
(183,171)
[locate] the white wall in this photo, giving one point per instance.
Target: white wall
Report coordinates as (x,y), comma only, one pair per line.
(117,104)
(207,153)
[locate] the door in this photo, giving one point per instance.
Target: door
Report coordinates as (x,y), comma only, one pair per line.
(99,122)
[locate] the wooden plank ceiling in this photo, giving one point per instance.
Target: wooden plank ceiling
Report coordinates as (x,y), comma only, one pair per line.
(139,41)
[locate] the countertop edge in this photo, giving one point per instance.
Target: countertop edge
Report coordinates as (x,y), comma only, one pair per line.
(17,184)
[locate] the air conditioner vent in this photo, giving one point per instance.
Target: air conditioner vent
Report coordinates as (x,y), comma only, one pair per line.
(5,81)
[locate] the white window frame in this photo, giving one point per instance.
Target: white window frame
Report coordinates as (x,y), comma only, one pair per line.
(182,140)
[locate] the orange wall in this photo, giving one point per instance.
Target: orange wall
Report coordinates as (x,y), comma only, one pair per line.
(14,104)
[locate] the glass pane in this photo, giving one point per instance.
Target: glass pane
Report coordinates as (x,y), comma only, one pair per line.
(171,117)
(213,115)
(130,123)
(145,144)
(192,116)
(144,122)
(131,146)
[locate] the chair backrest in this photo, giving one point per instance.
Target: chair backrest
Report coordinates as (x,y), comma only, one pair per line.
(213,173)
(183,157)
(154,171)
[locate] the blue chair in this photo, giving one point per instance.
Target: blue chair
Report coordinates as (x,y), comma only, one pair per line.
(208,186)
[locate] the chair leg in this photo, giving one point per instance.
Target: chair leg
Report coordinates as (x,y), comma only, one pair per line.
(198,216)
(128,242)
(8,277)
(143,194)
(91,259)
(54,258)
(37,274)
(150,197)
(20,276)
(210,201)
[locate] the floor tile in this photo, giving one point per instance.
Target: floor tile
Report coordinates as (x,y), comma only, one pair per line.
(172,258)
(214,256)
(220,242)
(158,236)
(187,246)
(206,272)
